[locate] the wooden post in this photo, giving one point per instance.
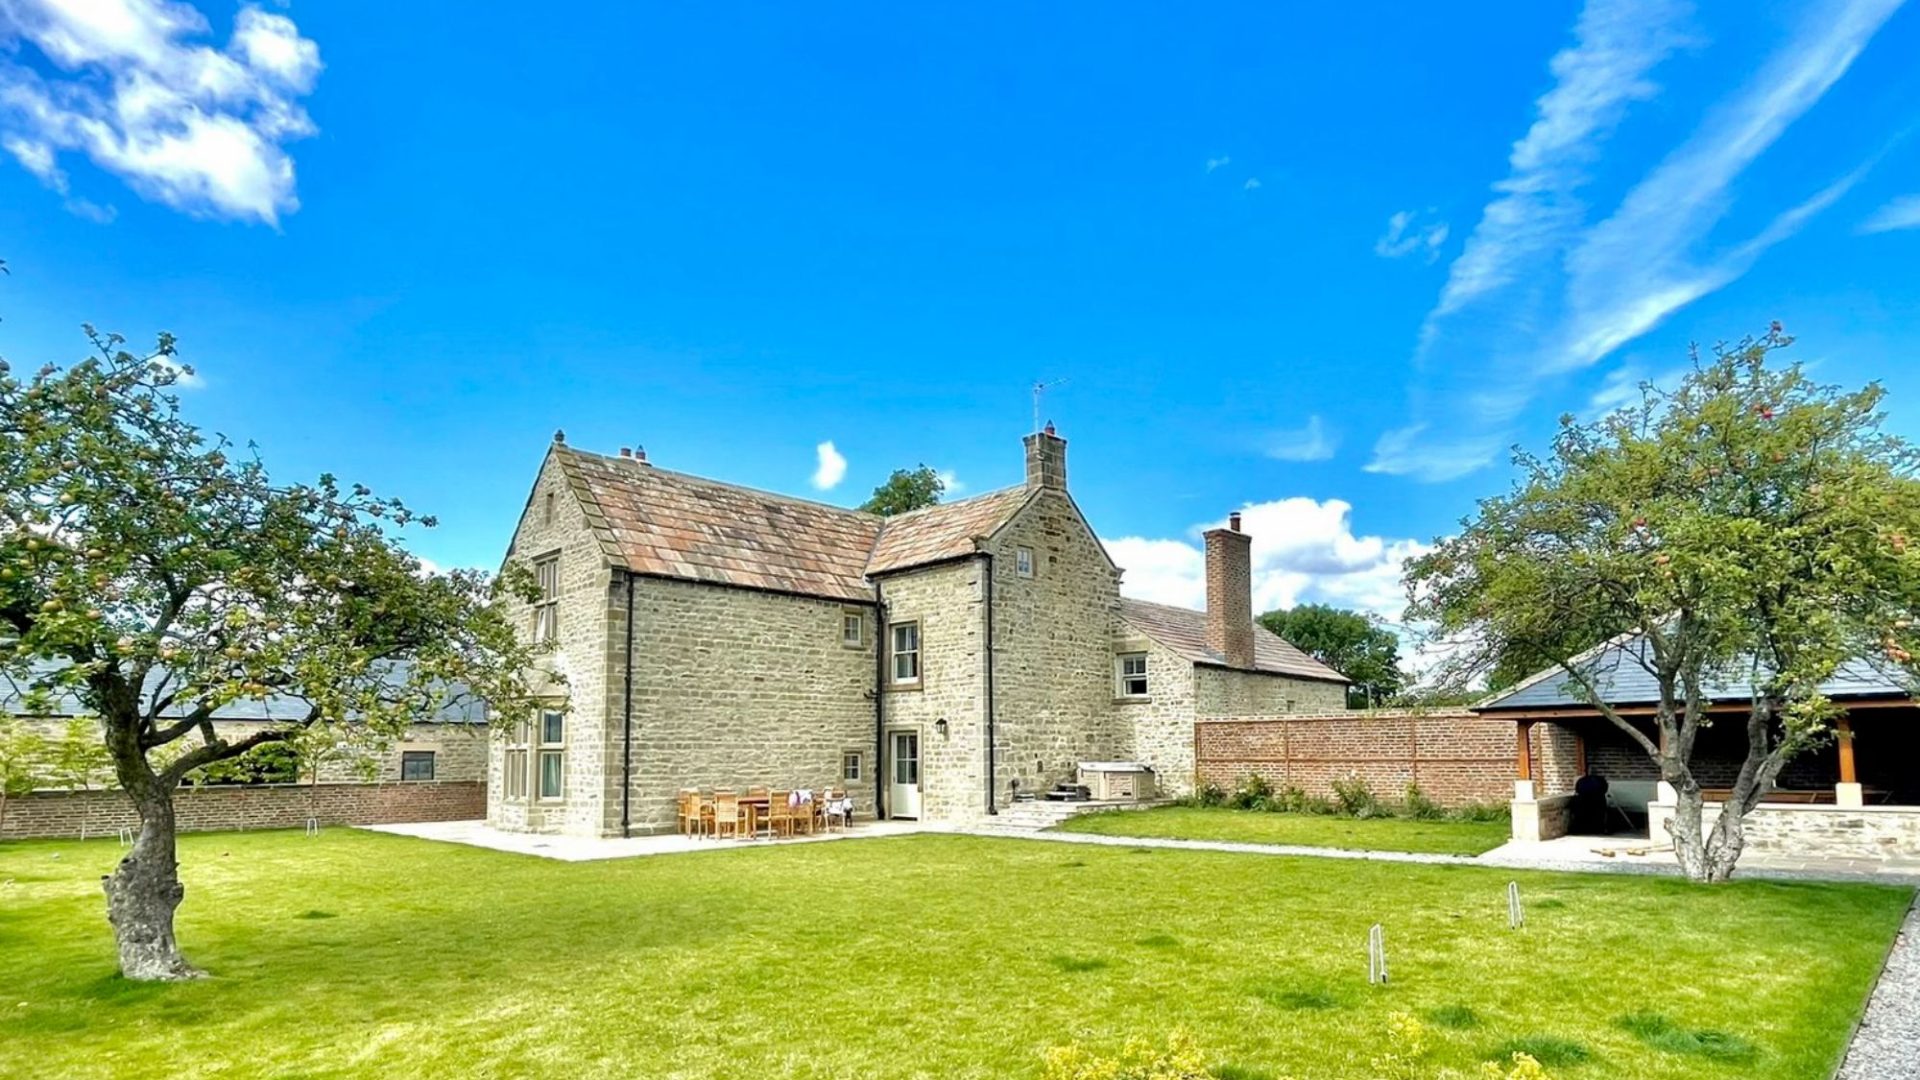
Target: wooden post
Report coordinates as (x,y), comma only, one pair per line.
(1523,749)
(1843,731)
(1579,753)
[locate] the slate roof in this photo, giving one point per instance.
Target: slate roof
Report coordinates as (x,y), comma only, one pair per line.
(1185,632)
(943,531)
(668,524)
(458,707)
(1617,671)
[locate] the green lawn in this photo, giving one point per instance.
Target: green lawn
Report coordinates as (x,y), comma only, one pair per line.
(357,954)
(1305,830)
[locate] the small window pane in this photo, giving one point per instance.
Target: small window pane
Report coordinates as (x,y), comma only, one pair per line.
(416,765)
(850,767)
(1133,674)
(852,629)
(1023,561)
(550,774)
(553,728)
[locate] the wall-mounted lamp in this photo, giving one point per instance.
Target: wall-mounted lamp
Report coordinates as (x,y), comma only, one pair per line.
(940,726)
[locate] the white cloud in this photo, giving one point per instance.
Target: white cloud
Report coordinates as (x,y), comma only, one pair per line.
(184,377)
(1310,443)
(90,210)
(1617,44)
(1635,268)
(1405,237)
(1538,292)
(1252,184)
(1901,213)
(1217,162)
(197,128)
(1303,550)
(832,468)
(952,484)
(1407,451)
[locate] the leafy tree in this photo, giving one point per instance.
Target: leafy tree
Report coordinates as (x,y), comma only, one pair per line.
(147,571)
(1750,526)
(1353,644)
(22,752)
(79,759)
(906,489)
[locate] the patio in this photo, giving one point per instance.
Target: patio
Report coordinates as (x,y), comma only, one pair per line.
(591,849)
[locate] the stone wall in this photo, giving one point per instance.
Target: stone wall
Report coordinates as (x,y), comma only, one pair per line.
(1873,832)
(46,814)
(1162,722)
(946,601)
(1227,692)
(459,750)
(1053,649)
(1454,756)
(591,602)
(736,687)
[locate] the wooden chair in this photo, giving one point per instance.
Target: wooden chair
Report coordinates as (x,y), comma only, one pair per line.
(726,813)
(692,820)
(779,814)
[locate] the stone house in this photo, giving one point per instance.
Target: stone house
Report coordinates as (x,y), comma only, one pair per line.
(938,664)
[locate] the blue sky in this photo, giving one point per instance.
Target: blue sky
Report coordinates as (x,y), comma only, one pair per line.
(1324,264)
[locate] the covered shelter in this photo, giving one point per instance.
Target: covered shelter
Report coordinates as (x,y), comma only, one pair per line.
(1857,795)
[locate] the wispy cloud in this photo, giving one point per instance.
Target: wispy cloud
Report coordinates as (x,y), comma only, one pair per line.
(1539,292)
(1623,386)
(197,128)
(830,467)
(1252,184)
(1218,162)
(1313,442)
(1405,236)
(1901,213)
(951,484)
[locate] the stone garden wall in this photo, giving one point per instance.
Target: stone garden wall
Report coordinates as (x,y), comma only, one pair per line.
(49,814)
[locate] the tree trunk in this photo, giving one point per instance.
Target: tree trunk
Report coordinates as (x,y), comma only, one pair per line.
(1689,840)
(142,893)
(1728,840)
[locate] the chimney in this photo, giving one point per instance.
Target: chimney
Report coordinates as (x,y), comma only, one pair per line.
(1230,593)
(1046,460)
(626,451)
(640,454)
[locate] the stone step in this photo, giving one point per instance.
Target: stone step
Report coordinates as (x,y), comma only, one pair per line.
(1035,816)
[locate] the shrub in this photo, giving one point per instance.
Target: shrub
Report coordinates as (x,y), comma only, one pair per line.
(1481,812)
(1179,1059)
(1208,795)
(1353,797)
(1254,793)
(1416,805)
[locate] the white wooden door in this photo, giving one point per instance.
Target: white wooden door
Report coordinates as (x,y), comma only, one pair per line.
(903,775)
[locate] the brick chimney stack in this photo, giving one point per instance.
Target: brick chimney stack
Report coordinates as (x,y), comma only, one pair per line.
(1230,593)
(1046,460)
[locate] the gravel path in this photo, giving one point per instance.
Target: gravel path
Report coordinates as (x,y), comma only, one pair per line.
(1887,1046)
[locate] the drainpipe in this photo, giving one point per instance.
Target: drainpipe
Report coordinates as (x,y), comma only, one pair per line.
(986,559)
(879,702)
(626,726)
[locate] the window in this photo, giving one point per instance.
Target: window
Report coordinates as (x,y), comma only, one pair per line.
(416,765)
(553,763)
(1132,671)
(1023,561)
(906,652)
(514,769)
(546,610)
(853,629)
(850,767)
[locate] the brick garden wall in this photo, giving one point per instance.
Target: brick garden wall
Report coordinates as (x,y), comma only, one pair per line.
(1455,756)
(45,814)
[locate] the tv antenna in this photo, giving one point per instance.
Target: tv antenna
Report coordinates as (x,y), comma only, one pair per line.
(1039,389)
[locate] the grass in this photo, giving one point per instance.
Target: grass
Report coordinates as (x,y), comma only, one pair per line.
(356,954)
(1304,830)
